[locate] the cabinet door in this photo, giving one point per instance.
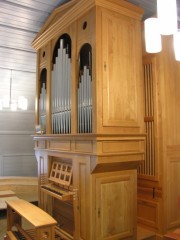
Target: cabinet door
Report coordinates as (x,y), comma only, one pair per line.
(121,56)
(116,205)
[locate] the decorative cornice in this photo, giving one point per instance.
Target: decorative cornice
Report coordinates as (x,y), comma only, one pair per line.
(70,13)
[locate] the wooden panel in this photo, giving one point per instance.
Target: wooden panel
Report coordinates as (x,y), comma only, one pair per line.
(123,146)
(86,28)
(63,213)
(61,145)
(173,190)
(115,205)
(147,212)
(82,183)
(169,88)
(84,146)
(41,144)
(119,70)
(43,57)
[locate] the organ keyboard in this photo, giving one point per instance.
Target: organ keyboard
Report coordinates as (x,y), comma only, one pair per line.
(59,181)
(42,225)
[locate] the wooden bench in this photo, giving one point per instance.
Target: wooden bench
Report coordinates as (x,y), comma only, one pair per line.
(42,225)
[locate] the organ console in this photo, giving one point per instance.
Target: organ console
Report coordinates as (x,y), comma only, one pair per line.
(21,215)
(59,181)
(89,101)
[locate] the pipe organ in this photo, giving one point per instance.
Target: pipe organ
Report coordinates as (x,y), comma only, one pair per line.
(91,50)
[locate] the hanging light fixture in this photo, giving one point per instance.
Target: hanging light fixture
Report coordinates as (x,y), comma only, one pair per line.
(176,40)
(167,15)
(165,24)
(152,35)
(7,103)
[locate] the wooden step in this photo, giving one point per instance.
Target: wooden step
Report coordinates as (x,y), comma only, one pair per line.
(22,187)
(4,196)
(145,234)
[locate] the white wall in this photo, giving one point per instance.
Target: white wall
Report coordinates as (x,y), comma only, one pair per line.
(16,144)
(17,156)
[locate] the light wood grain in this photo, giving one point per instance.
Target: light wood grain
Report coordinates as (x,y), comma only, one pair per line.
(36,216)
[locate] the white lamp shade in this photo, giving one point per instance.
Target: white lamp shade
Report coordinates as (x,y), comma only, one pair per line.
(176,40)
(152,35)
(167,15)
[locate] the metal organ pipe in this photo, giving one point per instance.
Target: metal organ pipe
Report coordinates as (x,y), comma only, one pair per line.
(60,91)
(42,107)
(85,101)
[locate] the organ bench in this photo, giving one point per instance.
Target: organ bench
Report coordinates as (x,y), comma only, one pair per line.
(41,224)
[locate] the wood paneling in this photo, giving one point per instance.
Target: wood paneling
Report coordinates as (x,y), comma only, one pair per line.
(148,214)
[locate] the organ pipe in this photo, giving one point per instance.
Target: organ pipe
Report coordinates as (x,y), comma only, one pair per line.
(148,166)
(84,91)
(61,90)
(42,102)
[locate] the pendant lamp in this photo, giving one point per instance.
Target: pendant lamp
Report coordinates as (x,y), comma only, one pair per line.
(167,15)
(152,35)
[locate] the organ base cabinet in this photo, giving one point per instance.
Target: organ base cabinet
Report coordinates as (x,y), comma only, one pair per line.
(89,135)
(103,188)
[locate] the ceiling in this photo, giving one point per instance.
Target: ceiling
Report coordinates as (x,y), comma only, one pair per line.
(20,21)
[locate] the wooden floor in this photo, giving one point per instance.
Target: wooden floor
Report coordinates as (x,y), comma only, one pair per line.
(145,234)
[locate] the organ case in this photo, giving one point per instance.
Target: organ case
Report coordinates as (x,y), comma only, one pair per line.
(94,115)
(158,184)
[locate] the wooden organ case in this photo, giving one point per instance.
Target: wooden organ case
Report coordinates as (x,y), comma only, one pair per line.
(158,178)
(89,106)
